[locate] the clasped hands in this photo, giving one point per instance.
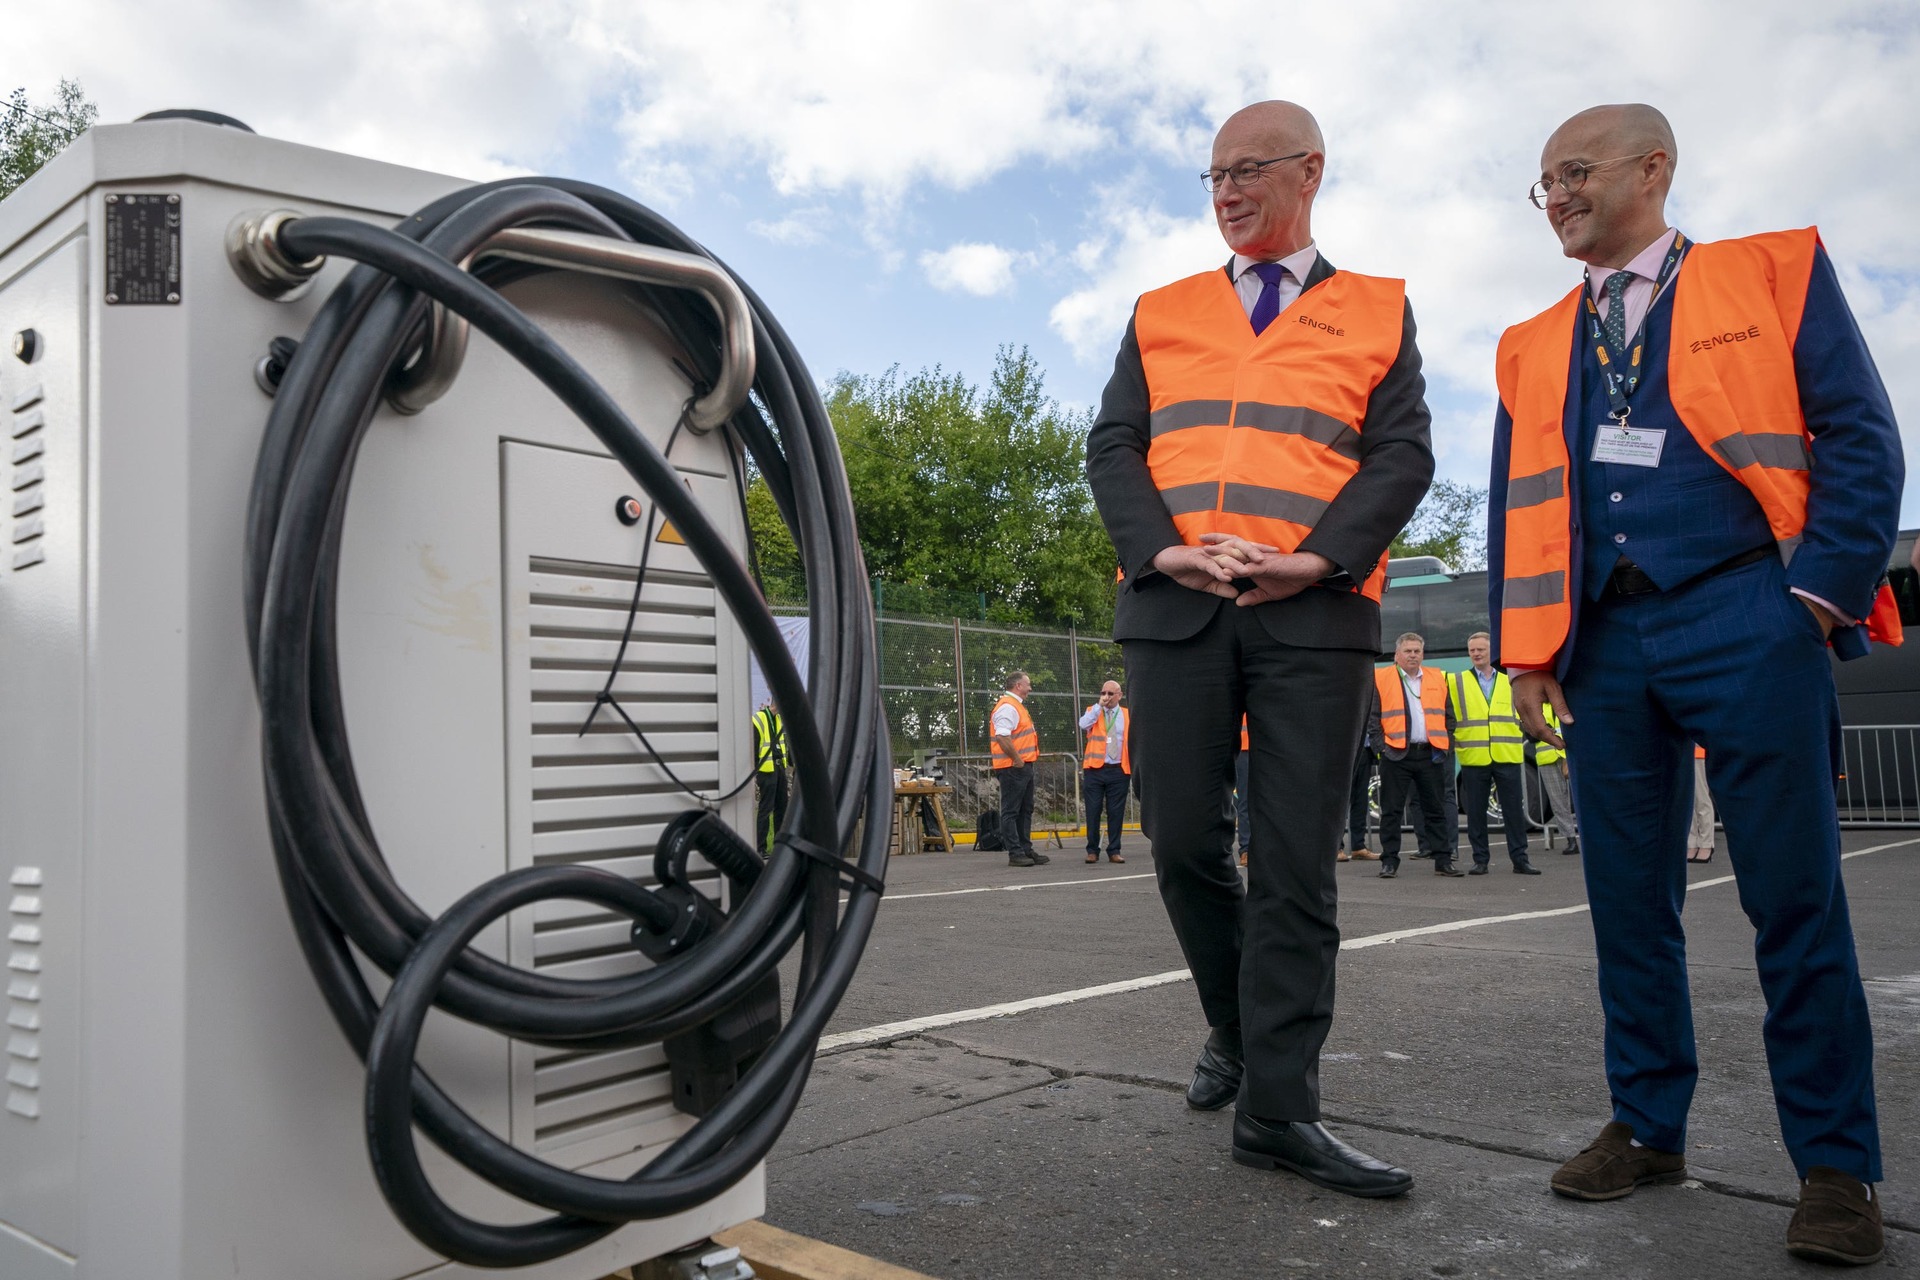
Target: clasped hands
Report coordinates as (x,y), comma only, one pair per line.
(1222,557)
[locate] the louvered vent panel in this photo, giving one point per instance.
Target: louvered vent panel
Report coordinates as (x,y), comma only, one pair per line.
(601,800)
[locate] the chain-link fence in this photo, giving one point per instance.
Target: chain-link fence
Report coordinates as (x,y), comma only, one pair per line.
(941,679)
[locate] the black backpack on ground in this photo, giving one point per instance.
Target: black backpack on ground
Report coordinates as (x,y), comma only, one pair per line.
(987,837)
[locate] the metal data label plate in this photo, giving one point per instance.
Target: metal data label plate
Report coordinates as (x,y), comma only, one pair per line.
(143,249)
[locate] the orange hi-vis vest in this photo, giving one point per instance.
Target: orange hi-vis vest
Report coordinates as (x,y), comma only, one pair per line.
(1256,435)
(1736,312)
(1097,742)
(1243,733)
(1026,740)
(1393,705)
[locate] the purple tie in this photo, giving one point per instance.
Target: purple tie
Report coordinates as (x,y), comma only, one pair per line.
(1267,305)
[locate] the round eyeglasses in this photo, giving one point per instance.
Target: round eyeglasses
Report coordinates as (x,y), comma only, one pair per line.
(1572,176)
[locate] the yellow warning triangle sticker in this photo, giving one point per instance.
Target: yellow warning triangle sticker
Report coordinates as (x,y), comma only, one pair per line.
(670,534)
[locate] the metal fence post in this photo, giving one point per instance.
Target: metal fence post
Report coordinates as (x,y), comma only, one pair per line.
(960,685)
(1073,666)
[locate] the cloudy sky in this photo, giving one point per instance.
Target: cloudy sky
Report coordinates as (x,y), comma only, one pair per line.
(917,184)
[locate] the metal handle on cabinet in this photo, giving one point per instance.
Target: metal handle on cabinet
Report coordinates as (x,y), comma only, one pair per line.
(622,260)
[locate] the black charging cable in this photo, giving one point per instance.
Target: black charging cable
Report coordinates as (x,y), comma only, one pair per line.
(340,893)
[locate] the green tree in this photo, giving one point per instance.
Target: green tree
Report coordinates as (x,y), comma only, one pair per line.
(964,491)
(31,135)
(1450,524)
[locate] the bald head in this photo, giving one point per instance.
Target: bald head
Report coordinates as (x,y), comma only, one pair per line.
(1282,127)
(1621,158)
(1628,127)
(1270,215)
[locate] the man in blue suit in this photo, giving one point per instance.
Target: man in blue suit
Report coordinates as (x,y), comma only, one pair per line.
(1696,486)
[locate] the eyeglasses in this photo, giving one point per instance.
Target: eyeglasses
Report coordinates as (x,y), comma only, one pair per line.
(1573,176)
(1245,173)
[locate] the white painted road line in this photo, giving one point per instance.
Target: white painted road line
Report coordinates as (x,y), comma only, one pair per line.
(1019,888)
(888,1031)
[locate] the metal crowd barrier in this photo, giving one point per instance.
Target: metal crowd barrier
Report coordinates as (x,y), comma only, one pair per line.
(1056,791)
(1880,775)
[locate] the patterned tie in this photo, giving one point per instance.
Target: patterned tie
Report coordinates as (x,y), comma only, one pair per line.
(1267,305)
(1616,321)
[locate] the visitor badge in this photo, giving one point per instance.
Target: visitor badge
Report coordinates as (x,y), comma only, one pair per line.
(1629,446)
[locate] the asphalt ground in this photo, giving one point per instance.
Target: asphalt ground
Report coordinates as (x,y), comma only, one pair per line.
(1056,1141)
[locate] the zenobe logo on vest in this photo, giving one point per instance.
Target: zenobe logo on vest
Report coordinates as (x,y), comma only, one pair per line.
(1723,339)
(1311,323)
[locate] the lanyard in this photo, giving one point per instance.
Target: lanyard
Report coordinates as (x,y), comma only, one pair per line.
(1621,383)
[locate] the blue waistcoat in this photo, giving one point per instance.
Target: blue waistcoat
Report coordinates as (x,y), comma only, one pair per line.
(1675,520)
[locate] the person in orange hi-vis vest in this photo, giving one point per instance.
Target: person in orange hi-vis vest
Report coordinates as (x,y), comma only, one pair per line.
(1263,438)
(1014,745)
(1696,487)
(1413,722)
(1106,769)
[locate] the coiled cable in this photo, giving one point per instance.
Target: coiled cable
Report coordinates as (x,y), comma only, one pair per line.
(340,893)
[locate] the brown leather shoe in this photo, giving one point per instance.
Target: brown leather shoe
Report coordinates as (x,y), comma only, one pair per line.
(1836,1222)
(1612,1166)
(1364,854)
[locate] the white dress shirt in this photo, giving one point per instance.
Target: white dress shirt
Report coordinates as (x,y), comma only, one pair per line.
(1416,710)
(1248,285)
(1005,718)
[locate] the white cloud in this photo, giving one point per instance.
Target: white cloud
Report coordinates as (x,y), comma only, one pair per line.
(982,270)
(1787,114)
(800,228)
(1133,250)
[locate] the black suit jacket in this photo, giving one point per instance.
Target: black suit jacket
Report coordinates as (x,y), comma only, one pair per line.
(1396,465)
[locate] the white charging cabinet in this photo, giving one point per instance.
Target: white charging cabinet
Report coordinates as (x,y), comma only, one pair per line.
(179,1104)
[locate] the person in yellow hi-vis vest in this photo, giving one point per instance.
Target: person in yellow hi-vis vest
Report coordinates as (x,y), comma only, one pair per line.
(1490,747)
(1550,762)
(770,761)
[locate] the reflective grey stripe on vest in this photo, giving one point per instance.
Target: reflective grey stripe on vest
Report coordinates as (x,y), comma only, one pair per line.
(1787,452)
(1184,499)
(1531,491)
(1275,504)
(1531,593)
(1189,413)
(1297,420)
(1788,546)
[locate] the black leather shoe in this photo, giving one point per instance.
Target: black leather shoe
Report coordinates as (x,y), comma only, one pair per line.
(1316,1155)
(1216,1077)
(1419,853)
(1479,869)
(1442,867)
(1390,871)
(1525,869)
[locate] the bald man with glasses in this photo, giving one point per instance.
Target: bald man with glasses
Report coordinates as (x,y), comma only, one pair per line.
(1262,440)
(1696,486)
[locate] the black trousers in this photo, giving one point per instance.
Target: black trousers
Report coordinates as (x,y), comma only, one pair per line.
(770,806)
(1476,780)
(1016,808)
(1357,799)
(1262,955)
(1419,774)
(1104,790)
